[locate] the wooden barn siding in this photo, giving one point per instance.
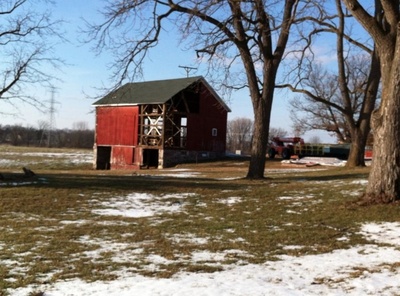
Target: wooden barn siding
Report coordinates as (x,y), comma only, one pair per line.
(199,133)
(123,157)
(117,126)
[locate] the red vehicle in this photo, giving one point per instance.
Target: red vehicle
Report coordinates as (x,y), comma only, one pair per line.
(368,153)
(287,147)
(284,147)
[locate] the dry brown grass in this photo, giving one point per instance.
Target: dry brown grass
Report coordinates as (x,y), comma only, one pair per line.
(49,232)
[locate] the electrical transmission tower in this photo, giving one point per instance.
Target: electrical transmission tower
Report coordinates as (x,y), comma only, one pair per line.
(52,111)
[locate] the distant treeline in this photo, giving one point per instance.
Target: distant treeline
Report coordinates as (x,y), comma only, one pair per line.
(18,135)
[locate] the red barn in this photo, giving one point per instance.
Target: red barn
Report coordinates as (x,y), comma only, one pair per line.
(159,124)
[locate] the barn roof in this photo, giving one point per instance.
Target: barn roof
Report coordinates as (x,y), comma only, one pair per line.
(152,92)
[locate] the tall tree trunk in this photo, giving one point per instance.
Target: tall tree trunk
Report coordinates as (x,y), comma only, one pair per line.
(357,149)
(361,129)
(384,180)
(262,115)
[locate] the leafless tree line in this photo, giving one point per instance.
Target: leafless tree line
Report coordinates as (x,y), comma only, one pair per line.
(240,135)
(18,135)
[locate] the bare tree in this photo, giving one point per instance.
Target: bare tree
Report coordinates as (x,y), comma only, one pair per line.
(309,114)
(277,133)
(26,46)
(16,135)
(384,179)
(340,102)
(80,125)
(81,135)
(315,140)
(321,107)
(227,34)
(239,134)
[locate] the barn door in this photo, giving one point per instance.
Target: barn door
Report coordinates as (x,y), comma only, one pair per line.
(103,157)
(150,158)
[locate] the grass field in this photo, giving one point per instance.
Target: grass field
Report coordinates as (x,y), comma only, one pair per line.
(71,222)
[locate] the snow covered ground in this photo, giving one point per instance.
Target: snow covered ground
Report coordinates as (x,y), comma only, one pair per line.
(362,270)
(15,159)
(326,274)
(370,269)
(358,271)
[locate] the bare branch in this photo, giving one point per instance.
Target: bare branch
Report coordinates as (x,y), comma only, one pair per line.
(24,39)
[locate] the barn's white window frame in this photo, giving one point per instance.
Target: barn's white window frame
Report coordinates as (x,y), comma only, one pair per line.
(214,132)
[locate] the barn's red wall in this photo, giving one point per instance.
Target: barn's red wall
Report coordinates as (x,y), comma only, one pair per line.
(199,126)
(124,157)
(117,126)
